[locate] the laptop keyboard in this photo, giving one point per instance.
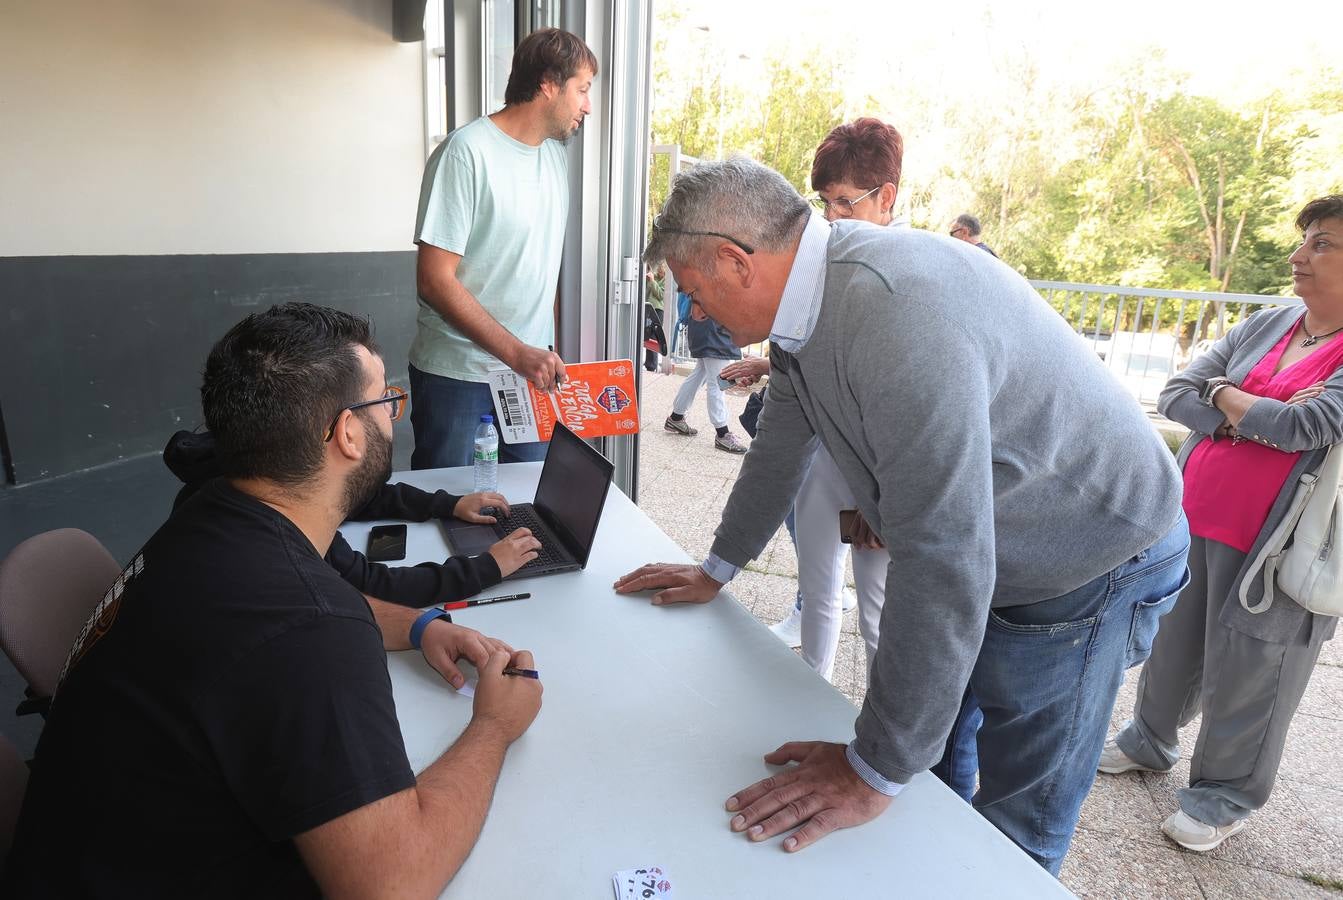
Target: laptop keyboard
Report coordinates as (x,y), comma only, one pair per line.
(526,517)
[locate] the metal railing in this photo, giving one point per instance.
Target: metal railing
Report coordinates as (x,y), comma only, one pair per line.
(1146,335)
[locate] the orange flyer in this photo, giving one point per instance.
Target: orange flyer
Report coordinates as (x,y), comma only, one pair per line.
(596,400)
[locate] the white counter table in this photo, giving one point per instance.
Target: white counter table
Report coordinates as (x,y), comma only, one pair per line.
(652,717)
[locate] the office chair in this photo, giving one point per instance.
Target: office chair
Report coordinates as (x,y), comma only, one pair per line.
(49,585)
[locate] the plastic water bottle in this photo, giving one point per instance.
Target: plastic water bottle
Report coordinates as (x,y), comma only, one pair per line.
(486,456)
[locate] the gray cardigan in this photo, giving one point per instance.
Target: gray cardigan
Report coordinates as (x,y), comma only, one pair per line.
(986,443)
(1310,427)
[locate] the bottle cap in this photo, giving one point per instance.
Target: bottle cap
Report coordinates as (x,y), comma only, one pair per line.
(487,418)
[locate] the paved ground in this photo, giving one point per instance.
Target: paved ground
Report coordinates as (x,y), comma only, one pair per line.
(1119,850)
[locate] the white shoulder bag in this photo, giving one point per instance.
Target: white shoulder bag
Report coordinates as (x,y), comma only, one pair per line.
(1298,558)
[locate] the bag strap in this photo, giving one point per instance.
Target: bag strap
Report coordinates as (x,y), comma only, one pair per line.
(1270,555)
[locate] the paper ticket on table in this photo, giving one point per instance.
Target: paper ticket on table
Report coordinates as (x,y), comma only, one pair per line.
(596,400)
(643,884)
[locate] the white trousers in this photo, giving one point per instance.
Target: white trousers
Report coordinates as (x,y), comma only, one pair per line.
(820,567)
(705,370)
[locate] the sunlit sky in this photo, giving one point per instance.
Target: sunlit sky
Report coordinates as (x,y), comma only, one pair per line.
(1231,50)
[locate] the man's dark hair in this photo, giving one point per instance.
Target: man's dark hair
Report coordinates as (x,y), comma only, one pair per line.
(969,223)
(273,384)
(547,55)
(1330,207)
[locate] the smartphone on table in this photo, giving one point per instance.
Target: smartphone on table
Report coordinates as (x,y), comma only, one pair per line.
(386,543)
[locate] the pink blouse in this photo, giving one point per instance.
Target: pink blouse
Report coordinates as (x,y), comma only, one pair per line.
(1230,487)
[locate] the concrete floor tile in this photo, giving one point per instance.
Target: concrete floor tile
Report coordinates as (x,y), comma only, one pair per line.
(1104,865)
(1312,752)
(1121,805)
(1331,654)
(1324,694)
(1221,880)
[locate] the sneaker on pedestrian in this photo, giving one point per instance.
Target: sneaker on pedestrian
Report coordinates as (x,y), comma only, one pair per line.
(789,630)
(731,443)
(1200,837)
(850,600)
(1114,760)
(679,426)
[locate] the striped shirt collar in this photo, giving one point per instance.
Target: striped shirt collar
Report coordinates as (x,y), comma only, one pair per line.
(800,305)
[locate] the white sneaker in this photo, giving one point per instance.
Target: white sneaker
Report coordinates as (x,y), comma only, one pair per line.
(1200,837)
(850,600)
(1114,761)
(790,629)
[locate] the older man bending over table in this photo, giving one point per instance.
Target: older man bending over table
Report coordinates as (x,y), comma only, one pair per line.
(1032,514)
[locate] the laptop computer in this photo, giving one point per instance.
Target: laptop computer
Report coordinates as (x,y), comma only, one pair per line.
(575,479)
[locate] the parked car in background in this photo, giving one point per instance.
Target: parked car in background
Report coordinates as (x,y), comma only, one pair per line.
(1143,362)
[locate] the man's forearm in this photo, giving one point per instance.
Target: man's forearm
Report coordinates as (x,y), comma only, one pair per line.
(393,621)
(455,793)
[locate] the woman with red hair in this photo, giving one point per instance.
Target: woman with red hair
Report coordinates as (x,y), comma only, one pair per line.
(856,175)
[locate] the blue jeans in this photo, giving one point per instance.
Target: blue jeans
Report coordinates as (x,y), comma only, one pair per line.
(1046,680)
(960,759)
(445,412)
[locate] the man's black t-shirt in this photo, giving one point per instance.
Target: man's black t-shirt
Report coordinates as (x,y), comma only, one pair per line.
(230,692)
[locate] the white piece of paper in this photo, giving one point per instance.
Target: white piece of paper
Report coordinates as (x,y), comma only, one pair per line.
(647,883)
(468,689)
(513,407)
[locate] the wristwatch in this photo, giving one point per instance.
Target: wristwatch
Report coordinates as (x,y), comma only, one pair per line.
(1212,386)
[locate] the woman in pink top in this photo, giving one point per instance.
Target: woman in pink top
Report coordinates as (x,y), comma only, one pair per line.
(1264,406)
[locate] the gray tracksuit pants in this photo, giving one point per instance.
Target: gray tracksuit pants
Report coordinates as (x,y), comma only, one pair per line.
(1247,690)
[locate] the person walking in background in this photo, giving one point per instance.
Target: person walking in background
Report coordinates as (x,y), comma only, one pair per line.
(711,347)
(490,232)
(966,228)
(1264,406)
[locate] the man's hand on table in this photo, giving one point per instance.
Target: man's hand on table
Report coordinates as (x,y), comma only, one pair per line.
(507,702)
(444,642)
(673,582)
(823,793)
(514,551)
(481,507)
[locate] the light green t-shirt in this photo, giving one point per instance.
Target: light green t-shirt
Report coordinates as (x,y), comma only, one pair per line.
(502,205)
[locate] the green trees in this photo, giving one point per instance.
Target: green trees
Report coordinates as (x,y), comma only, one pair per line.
(1122,175)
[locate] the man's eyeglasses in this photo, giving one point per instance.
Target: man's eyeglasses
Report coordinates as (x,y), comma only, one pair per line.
(842,206)
(745,247)
(394,395)
(958,229)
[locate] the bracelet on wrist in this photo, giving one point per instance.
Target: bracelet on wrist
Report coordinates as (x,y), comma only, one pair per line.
(422,622)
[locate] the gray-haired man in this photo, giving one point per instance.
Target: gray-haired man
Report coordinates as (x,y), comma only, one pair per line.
(967,228)
(1031,512)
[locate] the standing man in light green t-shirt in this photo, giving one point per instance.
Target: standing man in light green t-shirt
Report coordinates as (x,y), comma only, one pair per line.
(490,232)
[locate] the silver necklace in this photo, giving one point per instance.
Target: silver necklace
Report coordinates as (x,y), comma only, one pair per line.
(1313,339)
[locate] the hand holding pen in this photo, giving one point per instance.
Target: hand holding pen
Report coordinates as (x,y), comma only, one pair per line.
(543,368)
(508,704)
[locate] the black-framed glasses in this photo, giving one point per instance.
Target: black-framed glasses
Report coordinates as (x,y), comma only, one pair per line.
(841,205)
(394,395)
(745,247)
(958,229)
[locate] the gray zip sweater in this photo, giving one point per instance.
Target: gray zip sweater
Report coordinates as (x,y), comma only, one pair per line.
(984,441)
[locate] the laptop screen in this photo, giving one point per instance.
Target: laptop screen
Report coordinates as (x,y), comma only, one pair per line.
(572,489)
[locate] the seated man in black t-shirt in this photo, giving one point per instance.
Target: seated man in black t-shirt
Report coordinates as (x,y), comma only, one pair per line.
(225,725)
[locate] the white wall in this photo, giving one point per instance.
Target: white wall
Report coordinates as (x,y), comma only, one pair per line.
(200,126)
